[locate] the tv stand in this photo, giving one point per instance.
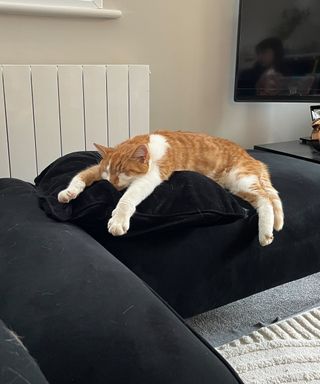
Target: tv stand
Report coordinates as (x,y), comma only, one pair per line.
(294,148)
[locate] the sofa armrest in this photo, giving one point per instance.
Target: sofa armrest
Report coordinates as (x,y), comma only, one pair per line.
(82,314)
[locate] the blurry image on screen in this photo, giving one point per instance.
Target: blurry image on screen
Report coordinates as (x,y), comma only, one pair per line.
(278,50)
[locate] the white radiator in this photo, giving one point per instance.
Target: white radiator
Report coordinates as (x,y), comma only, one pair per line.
(49,110)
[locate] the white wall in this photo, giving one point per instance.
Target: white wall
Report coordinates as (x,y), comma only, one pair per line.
(190,46)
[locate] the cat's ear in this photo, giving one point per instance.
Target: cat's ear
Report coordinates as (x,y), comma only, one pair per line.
(141,153)
(104,151)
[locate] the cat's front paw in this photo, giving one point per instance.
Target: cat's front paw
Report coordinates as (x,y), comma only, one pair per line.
(118,225)
(67,195)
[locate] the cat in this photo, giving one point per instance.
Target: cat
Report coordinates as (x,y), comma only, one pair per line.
(141,163)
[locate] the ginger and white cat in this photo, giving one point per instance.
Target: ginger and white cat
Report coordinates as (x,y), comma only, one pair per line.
(140,164)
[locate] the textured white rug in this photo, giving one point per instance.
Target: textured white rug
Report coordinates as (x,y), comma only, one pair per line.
(286,352)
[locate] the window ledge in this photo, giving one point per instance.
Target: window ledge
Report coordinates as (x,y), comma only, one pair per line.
(49,10)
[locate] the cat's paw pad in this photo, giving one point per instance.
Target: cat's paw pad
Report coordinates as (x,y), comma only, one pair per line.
(118,225)
(67,195)
(265,239)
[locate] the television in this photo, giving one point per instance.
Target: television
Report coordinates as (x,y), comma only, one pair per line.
(278,51)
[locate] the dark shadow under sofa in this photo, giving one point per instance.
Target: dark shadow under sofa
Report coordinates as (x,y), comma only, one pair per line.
(86,318)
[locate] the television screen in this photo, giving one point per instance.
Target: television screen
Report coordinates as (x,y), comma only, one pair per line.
(278,55)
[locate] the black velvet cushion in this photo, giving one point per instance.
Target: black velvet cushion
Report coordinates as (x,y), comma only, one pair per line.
(187,199)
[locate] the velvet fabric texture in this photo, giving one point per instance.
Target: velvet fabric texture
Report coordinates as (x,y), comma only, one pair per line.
(82,314)
(16,364)
(200,267)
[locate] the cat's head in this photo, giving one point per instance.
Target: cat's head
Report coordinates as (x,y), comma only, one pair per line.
(123,164)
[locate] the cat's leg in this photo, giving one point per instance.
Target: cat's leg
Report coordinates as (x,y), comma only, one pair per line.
(138,190)
(278,211)
(275,201)
(250,189)
(79,182)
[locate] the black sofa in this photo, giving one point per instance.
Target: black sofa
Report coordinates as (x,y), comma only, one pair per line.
(82,315)
(77,307)
(194,243)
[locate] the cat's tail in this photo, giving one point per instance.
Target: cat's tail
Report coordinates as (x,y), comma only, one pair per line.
(276,203)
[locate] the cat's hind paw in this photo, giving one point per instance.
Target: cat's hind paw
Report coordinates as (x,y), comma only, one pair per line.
(67,195)
(265,239)
(278,223)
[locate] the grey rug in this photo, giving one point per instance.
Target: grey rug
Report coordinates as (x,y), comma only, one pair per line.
(286,352)
(242,317)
